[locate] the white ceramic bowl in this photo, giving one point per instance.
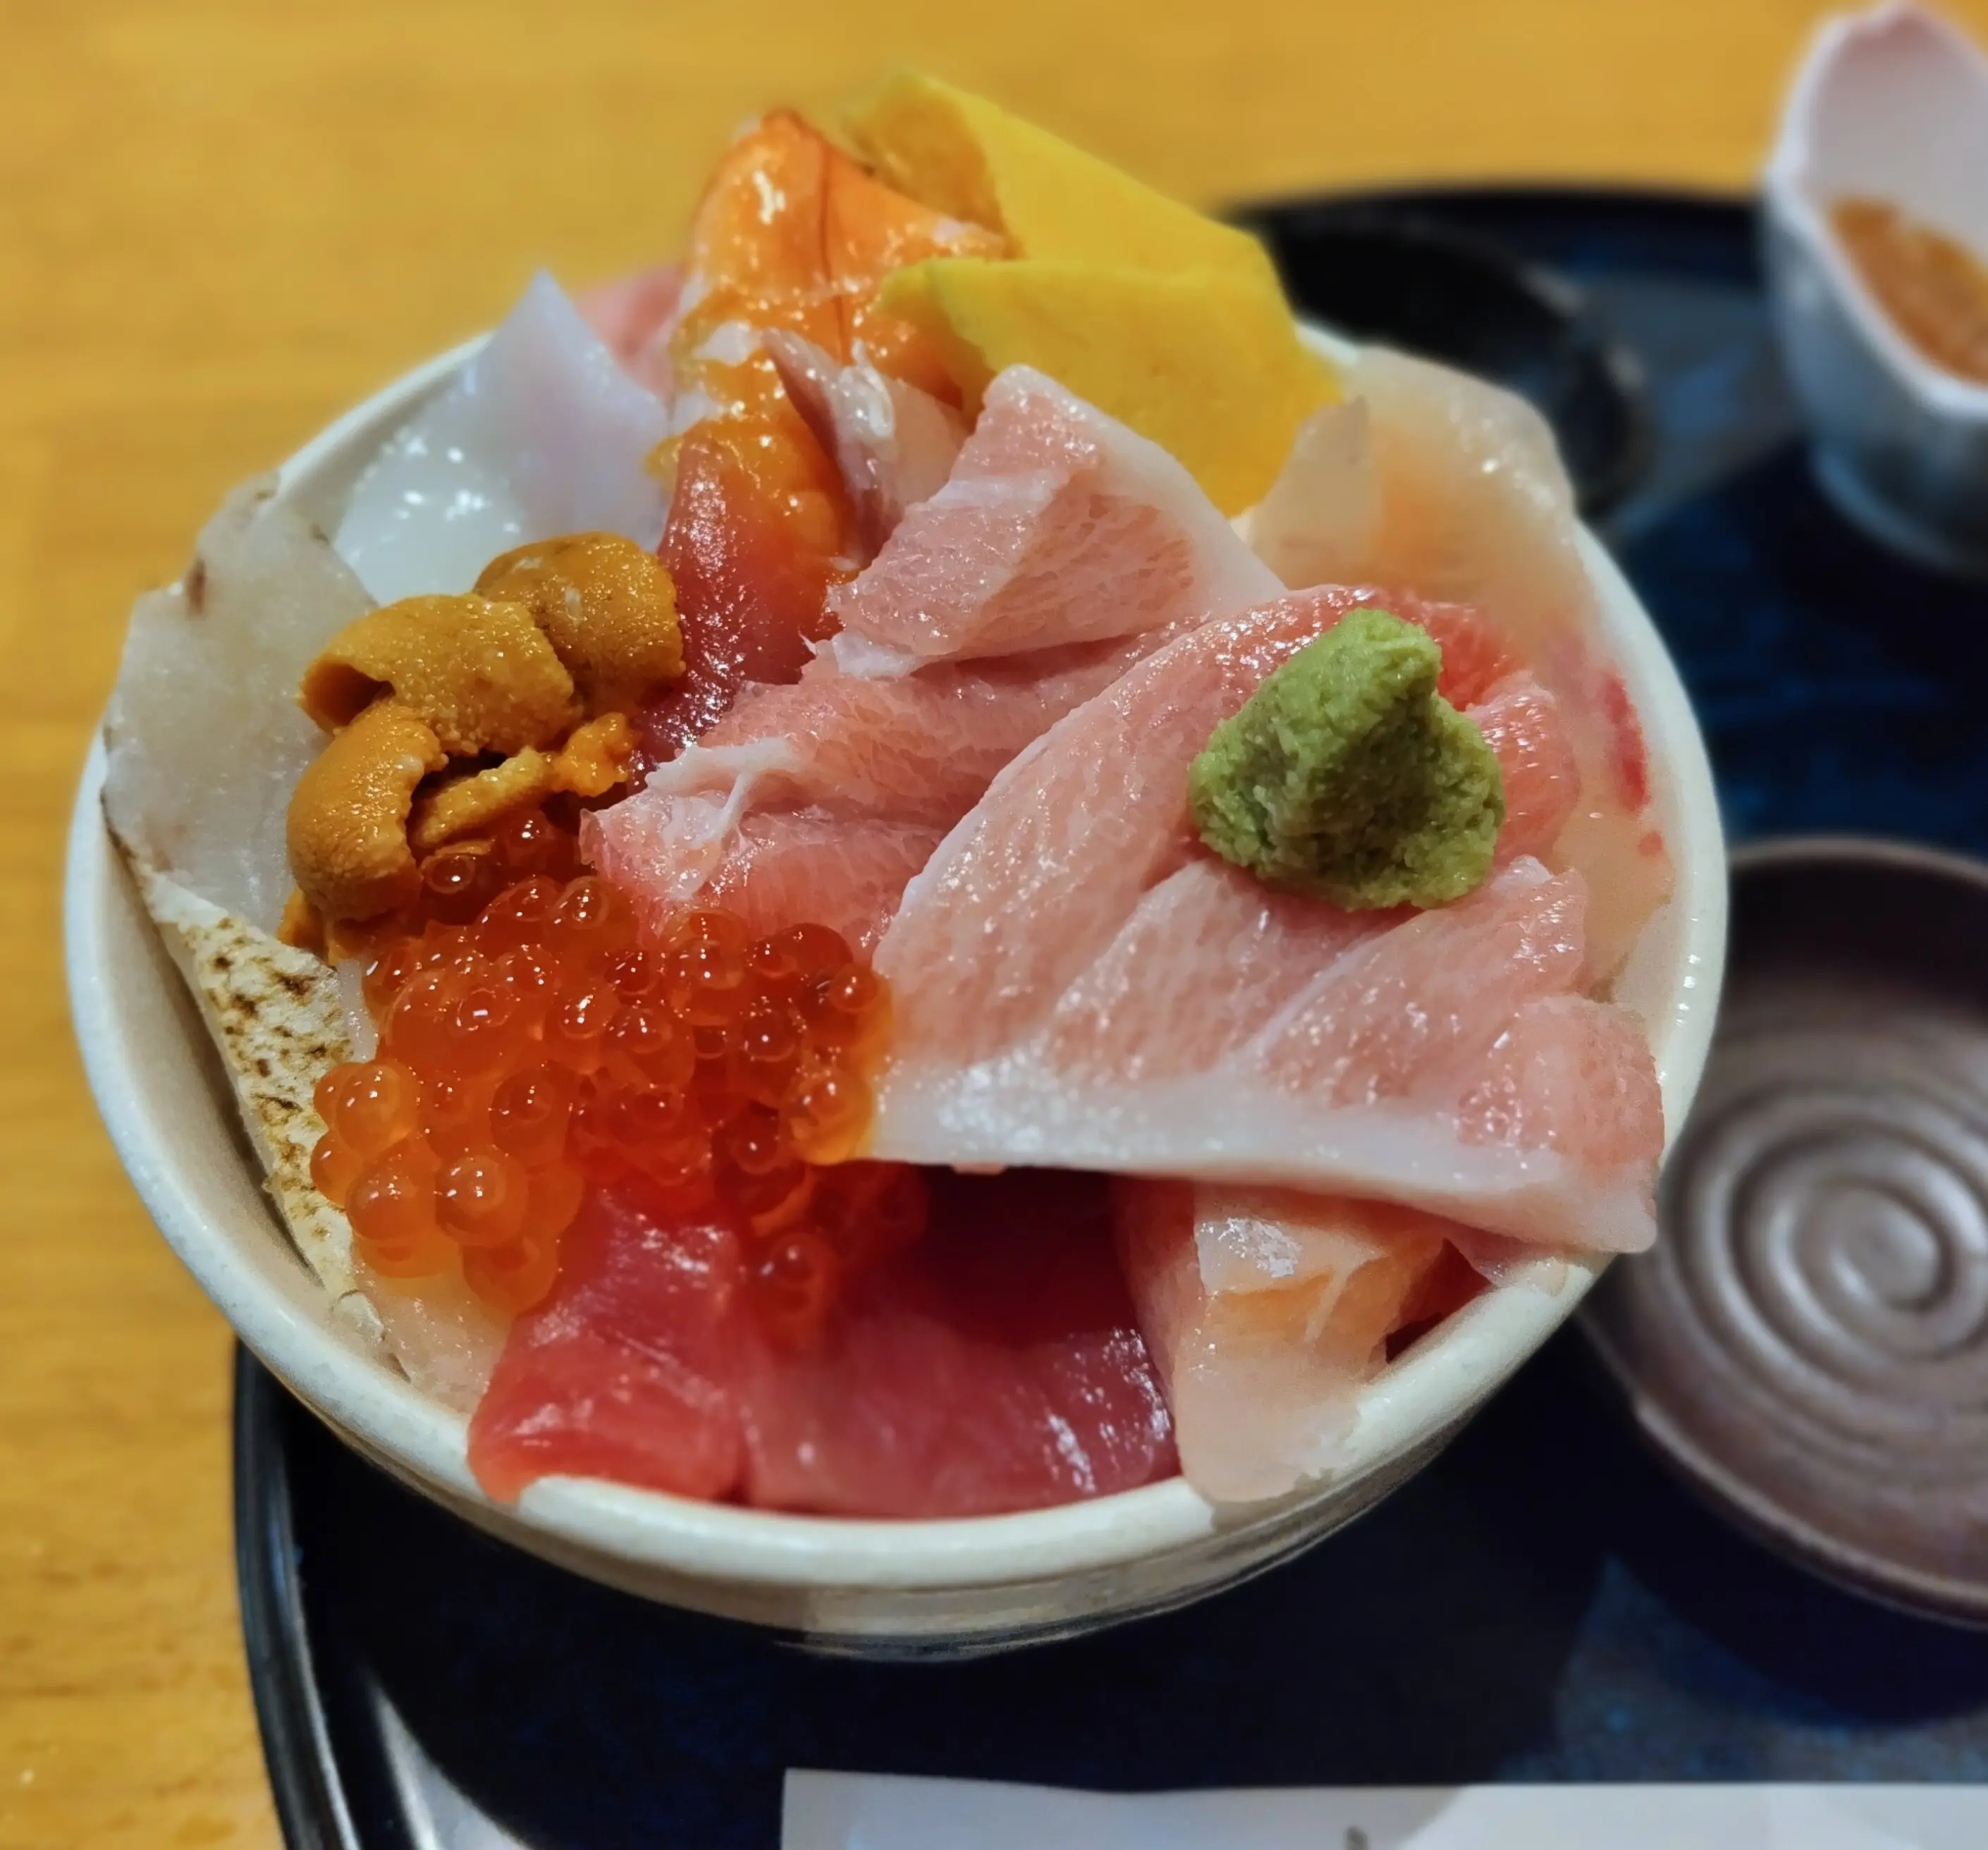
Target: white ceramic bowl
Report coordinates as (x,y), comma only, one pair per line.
(1892,103)
(895,1588)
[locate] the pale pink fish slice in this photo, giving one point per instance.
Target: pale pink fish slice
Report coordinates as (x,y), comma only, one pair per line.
(1429,996)
(920,747)
(1566,1076)
(632,316)
(774,868)
(1521,723)
(898,762)
(1460,493)
(1265,1311)
(894,444)
(1207,916)
(1057,525)
(1270,946)
(1103,818)
(1042,960)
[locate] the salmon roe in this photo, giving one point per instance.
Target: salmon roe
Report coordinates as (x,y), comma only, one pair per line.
(535,1041)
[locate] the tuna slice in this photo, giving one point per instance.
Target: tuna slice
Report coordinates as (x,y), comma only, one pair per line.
(845,773)
(1521,722)
(1428,478)
(1057,525)
(751,560)
(993,1366)
(1266,1310)
(775,869)
(541,433)
(996,1366)
(630,1370)
(821,799)
(1145,1008)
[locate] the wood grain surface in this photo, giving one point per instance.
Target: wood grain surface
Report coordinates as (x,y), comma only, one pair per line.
(219,223)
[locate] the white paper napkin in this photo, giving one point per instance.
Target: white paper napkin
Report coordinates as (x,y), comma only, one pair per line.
(861,1811)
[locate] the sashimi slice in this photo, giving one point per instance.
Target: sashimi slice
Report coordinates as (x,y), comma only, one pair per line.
(446,1339)
(1429,995)
(1323,510)
(205,738)
(774,869)
(1265,1311)
(993,1366)
(1456,488)
(791,235)
(758,523)
(922,747)
(632,315)
(1057,525)
(1521,722)
(820,799)
(1098,816)
(1075,986)
(1010,1324)
(629,1371)
(1566,1076)
(542,433)
(894,444)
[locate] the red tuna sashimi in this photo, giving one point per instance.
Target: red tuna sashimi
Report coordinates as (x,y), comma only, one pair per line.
(1057,525)
(1266,1310)
(994,1366)
(1143,1010)
(1429,477)
(1010,1322)
(752,549)
(629,1370)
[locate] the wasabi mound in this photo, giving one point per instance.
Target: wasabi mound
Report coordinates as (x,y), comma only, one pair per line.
(1346,776)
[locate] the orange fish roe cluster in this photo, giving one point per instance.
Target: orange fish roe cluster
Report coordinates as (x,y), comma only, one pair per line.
(535,1042)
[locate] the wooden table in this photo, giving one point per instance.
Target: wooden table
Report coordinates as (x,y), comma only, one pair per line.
(221,221)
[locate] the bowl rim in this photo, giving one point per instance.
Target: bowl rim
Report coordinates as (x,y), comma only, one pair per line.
(1416,1402)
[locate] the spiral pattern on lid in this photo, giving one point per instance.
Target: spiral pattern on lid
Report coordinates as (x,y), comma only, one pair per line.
(1813,1320)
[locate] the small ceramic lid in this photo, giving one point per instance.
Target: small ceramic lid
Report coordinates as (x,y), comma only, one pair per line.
(1808,1342)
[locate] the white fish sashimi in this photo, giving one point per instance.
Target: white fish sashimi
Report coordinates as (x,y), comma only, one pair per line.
(1325,508)
(1058,525)
(542,433)
(1264,1311)
(205,737)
